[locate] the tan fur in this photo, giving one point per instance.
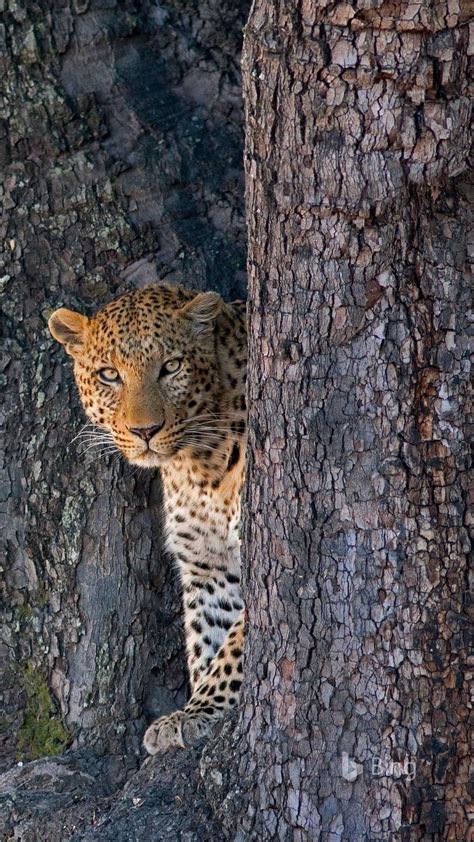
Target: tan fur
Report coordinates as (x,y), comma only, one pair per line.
(193,419)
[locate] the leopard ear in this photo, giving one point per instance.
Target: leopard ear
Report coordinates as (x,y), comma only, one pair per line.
(68,328)
(202,311)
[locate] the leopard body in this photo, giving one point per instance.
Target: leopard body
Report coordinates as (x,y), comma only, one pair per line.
(161,375)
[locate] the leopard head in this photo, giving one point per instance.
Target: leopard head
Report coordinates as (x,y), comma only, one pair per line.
(146,368)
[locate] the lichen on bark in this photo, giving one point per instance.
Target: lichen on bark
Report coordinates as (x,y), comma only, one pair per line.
(42,733)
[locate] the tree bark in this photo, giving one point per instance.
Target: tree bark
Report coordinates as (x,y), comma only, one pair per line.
(355,527)
(121,138)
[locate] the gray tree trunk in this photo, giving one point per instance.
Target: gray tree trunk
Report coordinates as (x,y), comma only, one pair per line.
(357,128)
(121,164)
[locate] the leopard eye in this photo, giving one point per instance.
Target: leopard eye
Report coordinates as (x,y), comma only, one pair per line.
(170,367)
(108,376)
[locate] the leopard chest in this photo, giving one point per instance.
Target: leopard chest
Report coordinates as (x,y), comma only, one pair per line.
(202,529)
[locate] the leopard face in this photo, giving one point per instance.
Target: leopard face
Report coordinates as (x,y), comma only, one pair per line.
(146,368)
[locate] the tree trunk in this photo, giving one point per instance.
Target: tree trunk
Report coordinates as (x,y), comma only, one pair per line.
(355,705)
(120,152)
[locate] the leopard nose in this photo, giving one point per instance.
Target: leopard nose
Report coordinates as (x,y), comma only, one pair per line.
(146,433)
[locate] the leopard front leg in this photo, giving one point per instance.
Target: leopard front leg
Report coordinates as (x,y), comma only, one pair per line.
(212,603)
(217,691)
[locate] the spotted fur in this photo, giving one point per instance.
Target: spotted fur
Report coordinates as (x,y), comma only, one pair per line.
(179,403)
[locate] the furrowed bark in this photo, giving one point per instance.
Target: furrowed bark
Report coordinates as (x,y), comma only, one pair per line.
(120,141)
(355,526)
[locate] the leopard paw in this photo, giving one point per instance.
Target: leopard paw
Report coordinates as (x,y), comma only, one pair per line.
(178,730)
(194,727)
(164,733)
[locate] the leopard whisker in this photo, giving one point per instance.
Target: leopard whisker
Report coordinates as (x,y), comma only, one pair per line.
(96,441)
(89,435)
(215,433)
(105,452)
(206,437)
(93,431)
(98,445)
(190,441)
(207,417)
(85,429)
(201,425)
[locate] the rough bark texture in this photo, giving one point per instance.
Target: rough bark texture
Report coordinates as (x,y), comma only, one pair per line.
(355,532)
(121,163)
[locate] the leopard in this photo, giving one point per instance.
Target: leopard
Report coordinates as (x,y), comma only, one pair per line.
(161,373)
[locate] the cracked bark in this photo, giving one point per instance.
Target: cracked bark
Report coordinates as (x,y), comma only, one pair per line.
(120,144)
(355,527)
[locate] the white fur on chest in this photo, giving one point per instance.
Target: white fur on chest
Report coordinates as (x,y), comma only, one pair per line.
(199,528)
(202,533)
